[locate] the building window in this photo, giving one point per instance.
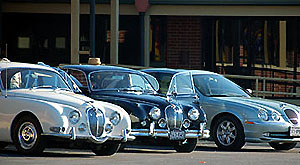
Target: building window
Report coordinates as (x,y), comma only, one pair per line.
(23,42)
(158,41)
(60,42)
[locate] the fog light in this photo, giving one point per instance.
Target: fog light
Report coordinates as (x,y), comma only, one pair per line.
(82,127)
(186,123)
(162,123)
(108,128)
(143,123)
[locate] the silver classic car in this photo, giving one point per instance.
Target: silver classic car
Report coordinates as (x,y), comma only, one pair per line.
(38,110)
(234,116)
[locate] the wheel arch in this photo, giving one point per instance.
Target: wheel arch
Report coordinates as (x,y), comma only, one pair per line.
(215,119)
(18,117)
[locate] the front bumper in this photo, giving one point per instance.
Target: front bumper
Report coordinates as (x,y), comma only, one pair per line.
(165,133)
(269,132)
(152,132)
(124,137)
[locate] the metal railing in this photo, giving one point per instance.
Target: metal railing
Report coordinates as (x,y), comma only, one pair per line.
(263,93)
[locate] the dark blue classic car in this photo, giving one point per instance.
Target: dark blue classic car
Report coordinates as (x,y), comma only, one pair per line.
(152,116)
(233,115)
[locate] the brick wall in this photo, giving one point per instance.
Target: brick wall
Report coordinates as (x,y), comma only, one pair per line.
(184,36)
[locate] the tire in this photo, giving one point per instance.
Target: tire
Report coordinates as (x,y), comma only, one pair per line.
(106,149)
(228,133)
(27,136)
(122,147)
(282,146)
(187,146)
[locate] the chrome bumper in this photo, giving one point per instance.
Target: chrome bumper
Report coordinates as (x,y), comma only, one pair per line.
(124,137)
(165,133)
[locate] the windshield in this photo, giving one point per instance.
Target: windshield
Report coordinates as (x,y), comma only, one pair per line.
(25,78)
(111,80)
(216,85)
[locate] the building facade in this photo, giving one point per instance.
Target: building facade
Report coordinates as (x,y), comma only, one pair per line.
(243,37)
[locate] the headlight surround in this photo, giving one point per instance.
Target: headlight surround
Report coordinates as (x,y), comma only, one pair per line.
(263,114)
(193,114)
(275,116)
(74,117)
(155,113)
(115,118)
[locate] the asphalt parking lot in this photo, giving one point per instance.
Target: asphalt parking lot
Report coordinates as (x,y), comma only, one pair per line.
(205,153)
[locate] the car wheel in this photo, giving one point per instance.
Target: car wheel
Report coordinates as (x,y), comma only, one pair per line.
(106,149)
(282,146)
(27,136)
(228,133)
(188,145)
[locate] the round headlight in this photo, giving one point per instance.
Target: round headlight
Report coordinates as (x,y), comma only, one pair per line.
(155,113)
(115,118)
(193,114)
(275,116)
(74,117)
(262,114)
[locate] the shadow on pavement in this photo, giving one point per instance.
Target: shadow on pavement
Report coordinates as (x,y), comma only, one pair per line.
(48,153)
(148,149)
(215,149)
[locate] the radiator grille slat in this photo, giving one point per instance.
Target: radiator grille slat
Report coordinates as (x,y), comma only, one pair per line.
(96,122)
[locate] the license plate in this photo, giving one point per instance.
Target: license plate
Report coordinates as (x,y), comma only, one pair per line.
(177,135)
(295,131)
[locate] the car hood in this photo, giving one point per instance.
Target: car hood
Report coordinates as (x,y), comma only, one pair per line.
(60,97)
(136,97)
(256,102)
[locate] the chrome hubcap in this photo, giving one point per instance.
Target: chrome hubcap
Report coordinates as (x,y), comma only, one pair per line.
(27,135)
(226,133)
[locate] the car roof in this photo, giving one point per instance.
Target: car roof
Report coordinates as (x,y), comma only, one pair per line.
(5,64)
(174,71)
(90,68)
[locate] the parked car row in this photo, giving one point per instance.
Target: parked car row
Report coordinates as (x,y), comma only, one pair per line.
(41,106)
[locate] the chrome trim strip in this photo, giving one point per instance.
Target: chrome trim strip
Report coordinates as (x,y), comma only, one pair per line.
(271,139)
(165,133)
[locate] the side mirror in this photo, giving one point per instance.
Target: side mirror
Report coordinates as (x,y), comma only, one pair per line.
(249,90)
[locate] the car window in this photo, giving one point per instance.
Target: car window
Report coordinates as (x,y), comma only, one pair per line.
(79,75)
(118,80)
(217,85)
(152,81)
(164,81)
(181,83)
(24,78)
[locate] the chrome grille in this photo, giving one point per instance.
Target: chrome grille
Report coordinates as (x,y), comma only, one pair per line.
(292,115)
(96,121)
(174,117)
